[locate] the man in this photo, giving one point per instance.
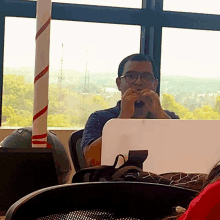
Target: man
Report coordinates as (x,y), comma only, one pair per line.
(137,83)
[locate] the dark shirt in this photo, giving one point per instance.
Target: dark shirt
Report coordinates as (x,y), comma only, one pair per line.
(97,120)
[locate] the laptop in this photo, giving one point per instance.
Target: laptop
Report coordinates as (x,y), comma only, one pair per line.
(23,171)
(191,146)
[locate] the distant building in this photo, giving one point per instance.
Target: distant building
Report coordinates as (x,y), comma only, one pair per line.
(201,95)
(111,90)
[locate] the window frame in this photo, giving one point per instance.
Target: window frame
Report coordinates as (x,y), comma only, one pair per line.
(150,17)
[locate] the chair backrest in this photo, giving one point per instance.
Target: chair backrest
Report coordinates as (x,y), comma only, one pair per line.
(101,200)
(76,153)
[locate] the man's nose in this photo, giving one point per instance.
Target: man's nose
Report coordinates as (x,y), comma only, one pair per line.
(139,81)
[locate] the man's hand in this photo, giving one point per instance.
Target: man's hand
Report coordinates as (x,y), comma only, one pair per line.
(152,101)
(92,153)
(127,103)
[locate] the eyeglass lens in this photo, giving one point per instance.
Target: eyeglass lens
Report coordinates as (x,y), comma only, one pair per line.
(145,77)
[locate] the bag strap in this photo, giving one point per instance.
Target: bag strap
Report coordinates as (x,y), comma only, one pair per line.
(135,158)
(96,173)
(116,159)
(108,173)
(86,174)
(119,174)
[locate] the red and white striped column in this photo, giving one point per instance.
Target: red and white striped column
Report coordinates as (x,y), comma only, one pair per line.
(41,78)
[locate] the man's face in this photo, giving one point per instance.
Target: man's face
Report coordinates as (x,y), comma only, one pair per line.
(136,66)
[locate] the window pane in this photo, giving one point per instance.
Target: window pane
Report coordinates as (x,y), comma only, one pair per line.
(114,3)
(190,72)
(84,59)
(196,6)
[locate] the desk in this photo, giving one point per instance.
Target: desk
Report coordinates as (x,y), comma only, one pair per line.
(2,217)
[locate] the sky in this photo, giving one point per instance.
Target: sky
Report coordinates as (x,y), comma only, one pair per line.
(102,46)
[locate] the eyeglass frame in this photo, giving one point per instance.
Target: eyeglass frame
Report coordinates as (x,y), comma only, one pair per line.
(139,75)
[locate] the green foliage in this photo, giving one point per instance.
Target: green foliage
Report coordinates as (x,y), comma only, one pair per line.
(67,108)
(217,104)
(70,108)
(205,112)
(17,93)
(58,120)
(15,118)
(169,103)
(8,111)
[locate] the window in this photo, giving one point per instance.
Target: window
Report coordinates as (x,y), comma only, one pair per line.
(196,6)
(190,73)
(84,59)
(18,73)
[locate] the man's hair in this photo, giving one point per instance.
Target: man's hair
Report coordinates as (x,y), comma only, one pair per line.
(137,57)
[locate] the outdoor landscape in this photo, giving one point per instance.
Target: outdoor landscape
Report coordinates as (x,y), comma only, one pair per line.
(73,97)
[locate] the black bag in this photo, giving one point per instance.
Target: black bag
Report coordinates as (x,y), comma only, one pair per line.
(131,170)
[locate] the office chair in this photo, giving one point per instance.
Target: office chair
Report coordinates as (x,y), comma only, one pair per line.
(76,153)
(101,200)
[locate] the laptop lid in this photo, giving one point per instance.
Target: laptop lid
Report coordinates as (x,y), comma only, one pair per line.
(173,145)
(24,170)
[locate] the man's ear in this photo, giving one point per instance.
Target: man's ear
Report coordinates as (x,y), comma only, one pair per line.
(155,85)
(118,83)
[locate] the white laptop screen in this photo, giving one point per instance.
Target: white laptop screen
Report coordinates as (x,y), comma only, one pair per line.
(173,145)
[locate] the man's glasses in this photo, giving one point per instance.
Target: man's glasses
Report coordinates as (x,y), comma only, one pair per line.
(132,77)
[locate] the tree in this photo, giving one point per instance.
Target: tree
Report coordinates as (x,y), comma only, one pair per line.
(206,112)
(17,93)
(58,120)
(23,119)
(169,103)
(217,104)
(70,108)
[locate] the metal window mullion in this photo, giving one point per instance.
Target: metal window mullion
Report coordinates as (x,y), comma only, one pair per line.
(147,40)
(76,12)
(151,41)
(158,43)
(116,15)
(142,40)
(148,32)
(151,30)
(2,34)
(157,53)
(151,34)
(143,31)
